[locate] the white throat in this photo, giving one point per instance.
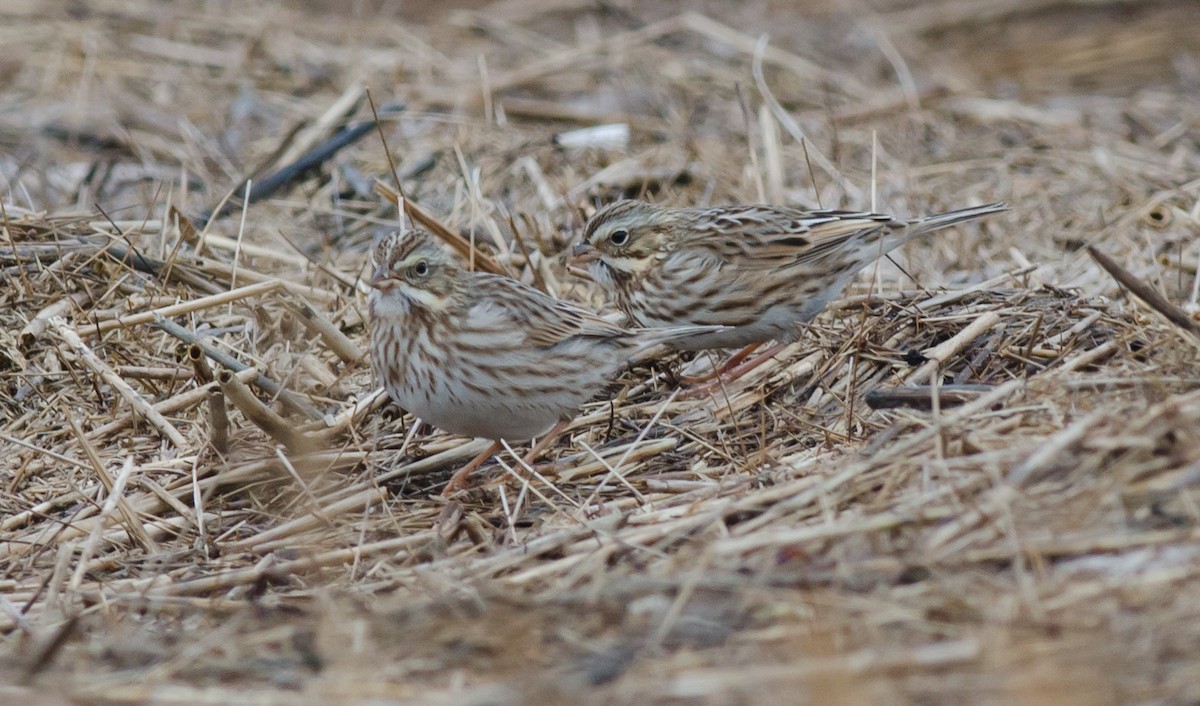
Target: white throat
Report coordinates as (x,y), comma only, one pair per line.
(399,302)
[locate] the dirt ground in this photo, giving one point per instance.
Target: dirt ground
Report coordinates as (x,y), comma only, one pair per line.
(974,478)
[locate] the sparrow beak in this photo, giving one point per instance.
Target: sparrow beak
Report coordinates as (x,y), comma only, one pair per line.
(379,278)
(584,253)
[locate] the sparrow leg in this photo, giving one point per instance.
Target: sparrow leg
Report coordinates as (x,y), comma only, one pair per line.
(459,480)
(735,373)
(755,362)
(722,368)
(543,443)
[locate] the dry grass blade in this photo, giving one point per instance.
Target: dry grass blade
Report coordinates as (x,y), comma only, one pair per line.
(187,307)
(75,345)
(459,244)
(132,525)
(938,355)
(338,342)
(60,308)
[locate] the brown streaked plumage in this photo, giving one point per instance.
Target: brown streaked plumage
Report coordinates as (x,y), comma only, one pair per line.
(482,355)
(759,271)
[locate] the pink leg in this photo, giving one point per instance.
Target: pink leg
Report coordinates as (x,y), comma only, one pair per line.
(738,371)
(459,480)
(722,368)
(755,361)
(544,443)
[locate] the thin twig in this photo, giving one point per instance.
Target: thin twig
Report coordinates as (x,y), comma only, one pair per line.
(75,344)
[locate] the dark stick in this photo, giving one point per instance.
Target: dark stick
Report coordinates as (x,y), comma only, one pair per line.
(304,163)
(1146,293)
(921,396)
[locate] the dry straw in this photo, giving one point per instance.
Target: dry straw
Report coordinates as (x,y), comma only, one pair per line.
(975,475)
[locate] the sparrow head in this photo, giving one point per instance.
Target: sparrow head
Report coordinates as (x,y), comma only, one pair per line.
(623,240)
(413,271)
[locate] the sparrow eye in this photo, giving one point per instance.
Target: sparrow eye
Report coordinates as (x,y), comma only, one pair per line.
(421,268)
(619,237)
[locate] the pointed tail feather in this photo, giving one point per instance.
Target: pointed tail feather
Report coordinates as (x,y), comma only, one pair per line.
(870,250)
(928,224)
